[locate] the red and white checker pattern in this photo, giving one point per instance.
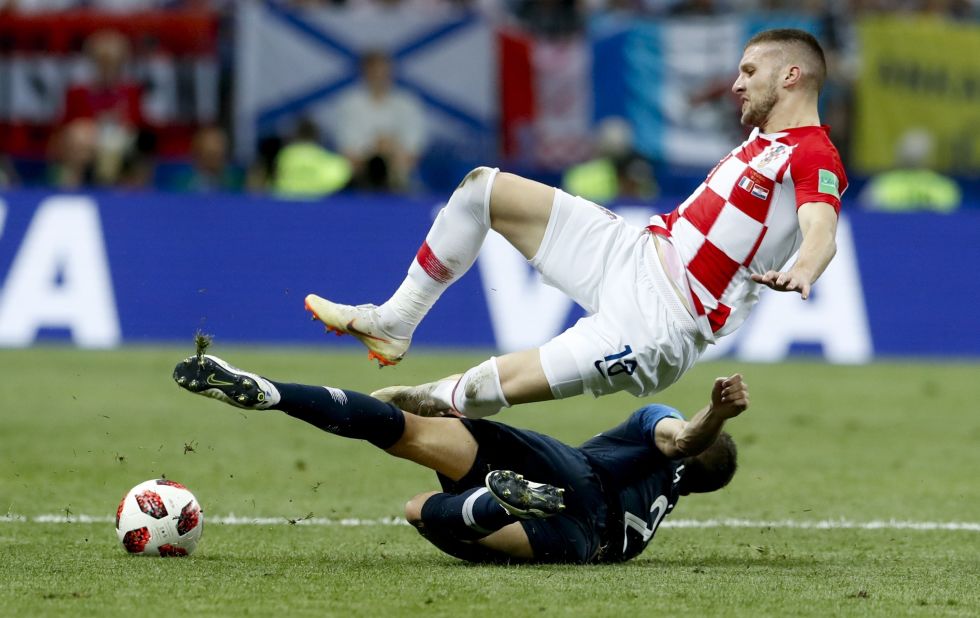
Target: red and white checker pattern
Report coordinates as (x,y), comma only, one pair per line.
(742,219)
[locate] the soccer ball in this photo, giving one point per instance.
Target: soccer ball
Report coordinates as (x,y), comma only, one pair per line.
(159,517)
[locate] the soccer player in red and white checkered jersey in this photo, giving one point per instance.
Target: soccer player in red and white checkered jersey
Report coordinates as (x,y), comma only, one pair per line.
(658,295)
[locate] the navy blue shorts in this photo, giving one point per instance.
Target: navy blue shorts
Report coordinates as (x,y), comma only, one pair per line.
(573,536)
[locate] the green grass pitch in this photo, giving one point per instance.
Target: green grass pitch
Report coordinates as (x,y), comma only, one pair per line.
(895,442)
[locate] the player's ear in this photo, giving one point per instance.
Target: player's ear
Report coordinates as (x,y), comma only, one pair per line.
(792,75)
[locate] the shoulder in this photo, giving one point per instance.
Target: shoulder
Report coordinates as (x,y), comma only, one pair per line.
(815,166)
(634,437)
(648,417)
(812,147)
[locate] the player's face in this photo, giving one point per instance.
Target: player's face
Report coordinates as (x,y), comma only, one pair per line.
(756,85)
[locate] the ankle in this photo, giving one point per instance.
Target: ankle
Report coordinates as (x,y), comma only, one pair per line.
(402,313)
(394,323)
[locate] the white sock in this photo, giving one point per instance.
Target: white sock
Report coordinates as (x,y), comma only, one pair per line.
(477,394)
(450,248)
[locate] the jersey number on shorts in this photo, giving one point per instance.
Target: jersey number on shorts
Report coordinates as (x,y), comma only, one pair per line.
(658,509)
(621,365)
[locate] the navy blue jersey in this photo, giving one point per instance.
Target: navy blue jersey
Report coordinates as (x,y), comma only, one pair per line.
(638,481)
(618,486)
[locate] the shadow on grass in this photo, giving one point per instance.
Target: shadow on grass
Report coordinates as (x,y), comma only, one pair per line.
(433,561)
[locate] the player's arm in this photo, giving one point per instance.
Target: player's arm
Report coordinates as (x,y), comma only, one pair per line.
(676,438)
(818,223)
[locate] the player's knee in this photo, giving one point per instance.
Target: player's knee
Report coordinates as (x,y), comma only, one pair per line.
(478,176)
(413,509)
(473,193)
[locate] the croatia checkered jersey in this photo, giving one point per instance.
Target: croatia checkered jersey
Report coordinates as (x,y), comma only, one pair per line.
(743,219)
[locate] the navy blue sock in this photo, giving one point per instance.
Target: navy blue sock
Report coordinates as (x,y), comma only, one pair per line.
(470,515)
(344,413)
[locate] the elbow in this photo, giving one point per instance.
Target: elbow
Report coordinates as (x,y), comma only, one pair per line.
(684,447)
(824,237)
(831,243)
(830,253)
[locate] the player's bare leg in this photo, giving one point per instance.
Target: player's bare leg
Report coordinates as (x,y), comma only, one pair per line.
(485,517)
(522,378)
(440,444)
(510,540)
(517,208)
(439,527)
(520,210)
(457,523)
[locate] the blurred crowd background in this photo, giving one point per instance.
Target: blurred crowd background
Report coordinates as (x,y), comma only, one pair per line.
(613,99)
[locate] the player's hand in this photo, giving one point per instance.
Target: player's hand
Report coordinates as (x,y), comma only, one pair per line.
(730,396)
(788,281)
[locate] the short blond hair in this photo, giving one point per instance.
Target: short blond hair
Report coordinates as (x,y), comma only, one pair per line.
(802,46)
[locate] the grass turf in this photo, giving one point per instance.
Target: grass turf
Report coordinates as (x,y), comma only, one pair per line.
(879,442)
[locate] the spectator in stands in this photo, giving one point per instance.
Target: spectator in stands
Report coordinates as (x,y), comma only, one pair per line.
(210,168)
(414,5)
(116,6)
(380,128)
(137,170)
(553,18)
(912,185)
(262,170)
(617,171)
(695,7)
(107,100)
(305,169)
(72,155)
(307,4)
(8,175)
(37,6)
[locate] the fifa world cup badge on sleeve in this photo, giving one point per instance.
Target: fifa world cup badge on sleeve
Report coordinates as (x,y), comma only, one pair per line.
(828,183)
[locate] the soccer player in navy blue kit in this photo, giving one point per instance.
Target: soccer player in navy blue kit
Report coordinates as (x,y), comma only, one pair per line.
(600,502)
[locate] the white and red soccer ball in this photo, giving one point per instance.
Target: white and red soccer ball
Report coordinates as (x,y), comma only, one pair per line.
(159,517)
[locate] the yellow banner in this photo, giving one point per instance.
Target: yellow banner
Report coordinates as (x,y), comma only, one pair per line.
(918,73)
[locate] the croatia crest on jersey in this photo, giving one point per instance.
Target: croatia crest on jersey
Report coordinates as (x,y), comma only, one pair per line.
(772,158)
(771,153)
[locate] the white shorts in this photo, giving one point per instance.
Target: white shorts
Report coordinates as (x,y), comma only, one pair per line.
(639,337)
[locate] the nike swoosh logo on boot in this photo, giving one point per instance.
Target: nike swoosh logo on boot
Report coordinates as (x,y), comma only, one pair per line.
(350,328)
(213,382)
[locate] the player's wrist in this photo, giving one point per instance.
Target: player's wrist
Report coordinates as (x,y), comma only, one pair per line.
(716,412)
(722,411)
(803,274)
